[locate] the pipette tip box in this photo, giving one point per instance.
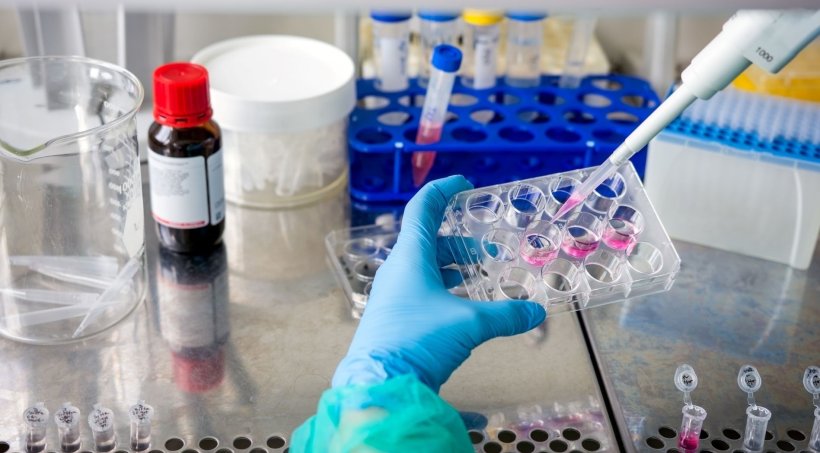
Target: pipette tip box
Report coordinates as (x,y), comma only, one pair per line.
(493,233)
(495,135)
(741,172)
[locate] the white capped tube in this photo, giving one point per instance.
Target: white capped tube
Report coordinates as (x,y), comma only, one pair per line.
(391,43)
(36,420)
(101,422)
(525,34)
(140,416)
(68,428)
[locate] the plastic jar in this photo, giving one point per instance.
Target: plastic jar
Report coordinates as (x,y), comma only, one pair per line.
(525,33)
(437,27)
(282,103)
(481,37)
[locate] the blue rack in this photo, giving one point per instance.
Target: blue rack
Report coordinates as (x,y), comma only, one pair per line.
(493,136)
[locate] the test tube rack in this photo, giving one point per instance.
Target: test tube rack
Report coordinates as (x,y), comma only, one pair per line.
(495,135)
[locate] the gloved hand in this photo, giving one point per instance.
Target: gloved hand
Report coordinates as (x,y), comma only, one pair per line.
(412,324)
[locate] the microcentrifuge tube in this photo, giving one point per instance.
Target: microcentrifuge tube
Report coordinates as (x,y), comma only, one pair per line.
(811,381)
(757,417)
(693,416)
(68,428)
(140,415)
(36,419)
(101,421)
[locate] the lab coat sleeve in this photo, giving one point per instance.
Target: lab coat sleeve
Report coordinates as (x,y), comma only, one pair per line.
(398,415)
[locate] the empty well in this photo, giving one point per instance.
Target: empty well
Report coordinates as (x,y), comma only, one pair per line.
(517,283)
(484,208)
(360,249)
(500,247)
(645,258)
(607,194)
(365,270)
(526,202)
(604,266)
(561,275)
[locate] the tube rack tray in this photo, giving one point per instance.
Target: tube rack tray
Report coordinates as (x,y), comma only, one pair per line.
(493,136)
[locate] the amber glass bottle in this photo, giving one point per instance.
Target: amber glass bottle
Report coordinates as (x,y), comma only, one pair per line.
(185,161)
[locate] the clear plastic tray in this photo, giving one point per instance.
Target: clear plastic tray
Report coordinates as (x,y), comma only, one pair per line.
(507,246)
(506,235)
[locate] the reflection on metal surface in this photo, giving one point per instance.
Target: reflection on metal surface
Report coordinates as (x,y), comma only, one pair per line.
(192,298)
(280,324)
(575,426)
(725,310)
(281,244)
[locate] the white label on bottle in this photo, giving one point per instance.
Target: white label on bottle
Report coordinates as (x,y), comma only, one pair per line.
(179,191)
(392,57)
(484,66)
(216,187)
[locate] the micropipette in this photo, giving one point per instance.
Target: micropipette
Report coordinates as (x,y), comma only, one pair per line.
(811,381)
(693,416)
(36,419)
(446,62)
(123,279)
(769,39)
(757,417)
(101,422)
(68,428)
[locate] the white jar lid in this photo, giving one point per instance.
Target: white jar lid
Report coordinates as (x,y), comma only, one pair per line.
(278,83)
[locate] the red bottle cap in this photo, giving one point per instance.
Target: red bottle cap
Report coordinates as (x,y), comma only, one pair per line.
(181,95)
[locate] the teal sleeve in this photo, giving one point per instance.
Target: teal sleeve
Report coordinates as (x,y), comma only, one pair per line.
(398,415)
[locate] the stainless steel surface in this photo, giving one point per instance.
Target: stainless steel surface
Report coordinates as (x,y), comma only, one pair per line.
(724,311)
(244,341)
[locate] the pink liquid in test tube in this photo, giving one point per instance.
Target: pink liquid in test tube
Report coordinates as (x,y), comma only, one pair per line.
(688,442)
(422,161)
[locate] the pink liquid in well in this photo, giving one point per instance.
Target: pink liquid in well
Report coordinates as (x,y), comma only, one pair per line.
(422,161)
(619,235)
(580,242)
(688,442)
(538,250)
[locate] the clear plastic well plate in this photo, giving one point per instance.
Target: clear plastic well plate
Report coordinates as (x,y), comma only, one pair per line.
(507,246)
(611,247)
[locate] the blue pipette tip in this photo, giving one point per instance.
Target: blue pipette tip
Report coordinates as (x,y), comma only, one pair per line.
(446,58)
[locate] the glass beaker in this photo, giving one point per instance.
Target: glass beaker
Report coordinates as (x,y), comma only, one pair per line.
(71,213)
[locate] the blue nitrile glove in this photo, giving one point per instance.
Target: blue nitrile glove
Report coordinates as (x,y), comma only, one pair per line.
(412,324)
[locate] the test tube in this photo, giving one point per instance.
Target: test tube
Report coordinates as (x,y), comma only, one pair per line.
(757,418)
(690,427)
(446,61)
(525,33)
(480,48)
(582,32)
(436,28)
(36,420)
(140,415)
(68,427)
(391,41)
(101,422)
(814,438)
